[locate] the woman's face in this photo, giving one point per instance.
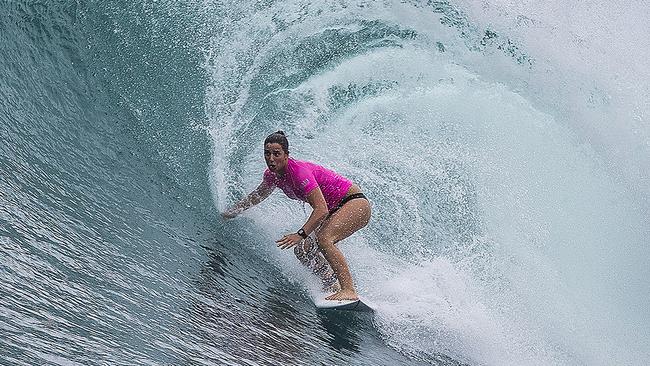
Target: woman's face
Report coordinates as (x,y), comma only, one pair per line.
(275,157)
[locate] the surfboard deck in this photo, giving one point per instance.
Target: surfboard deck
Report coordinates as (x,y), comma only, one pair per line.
(347,305)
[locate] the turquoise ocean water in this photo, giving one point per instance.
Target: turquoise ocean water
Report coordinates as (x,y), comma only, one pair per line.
(504,147)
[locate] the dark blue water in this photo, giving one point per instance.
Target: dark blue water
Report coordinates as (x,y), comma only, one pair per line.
(126,126)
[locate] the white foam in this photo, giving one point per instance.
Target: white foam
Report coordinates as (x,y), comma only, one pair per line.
(501,234)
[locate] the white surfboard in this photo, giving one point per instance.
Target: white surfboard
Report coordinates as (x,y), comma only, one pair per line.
(349,305)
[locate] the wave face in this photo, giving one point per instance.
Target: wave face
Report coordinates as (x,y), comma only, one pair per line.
(504,149)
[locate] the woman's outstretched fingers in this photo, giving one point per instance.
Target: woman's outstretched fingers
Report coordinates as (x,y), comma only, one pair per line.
(282,242)
(288,241)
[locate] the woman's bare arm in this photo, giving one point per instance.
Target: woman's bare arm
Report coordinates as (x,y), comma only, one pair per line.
(319,213)
(253,198)
(317,201)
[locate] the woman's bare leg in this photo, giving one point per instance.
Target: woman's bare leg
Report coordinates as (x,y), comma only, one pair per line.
(310,256)
(354,215)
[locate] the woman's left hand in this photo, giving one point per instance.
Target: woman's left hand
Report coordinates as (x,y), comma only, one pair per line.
(289,241)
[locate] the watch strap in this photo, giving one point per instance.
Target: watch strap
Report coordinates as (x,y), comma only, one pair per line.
(302,233)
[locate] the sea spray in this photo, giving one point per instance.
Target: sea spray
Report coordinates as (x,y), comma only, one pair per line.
(470,159)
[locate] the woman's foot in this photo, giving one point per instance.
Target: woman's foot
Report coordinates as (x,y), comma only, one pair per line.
(343,295)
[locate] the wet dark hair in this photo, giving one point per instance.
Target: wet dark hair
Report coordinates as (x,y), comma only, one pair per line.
(278,137)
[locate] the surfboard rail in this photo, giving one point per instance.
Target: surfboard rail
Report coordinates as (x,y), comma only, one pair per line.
(347,305)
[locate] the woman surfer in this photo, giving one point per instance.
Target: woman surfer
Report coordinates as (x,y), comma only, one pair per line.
(339,207)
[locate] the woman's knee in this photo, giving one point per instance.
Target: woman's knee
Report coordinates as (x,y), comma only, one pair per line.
(325,242)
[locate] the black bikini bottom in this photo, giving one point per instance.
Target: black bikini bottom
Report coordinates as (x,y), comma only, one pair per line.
(346,200)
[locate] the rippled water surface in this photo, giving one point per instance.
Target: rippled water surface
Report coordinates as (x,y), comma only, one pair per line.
(508,176)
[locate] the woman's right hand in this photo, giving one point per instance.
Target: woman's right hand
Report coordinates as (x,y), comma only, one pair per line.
(229,214)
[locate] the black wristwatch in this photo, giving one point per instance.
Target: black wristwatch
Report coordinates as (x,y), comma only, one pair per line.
(302,233)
